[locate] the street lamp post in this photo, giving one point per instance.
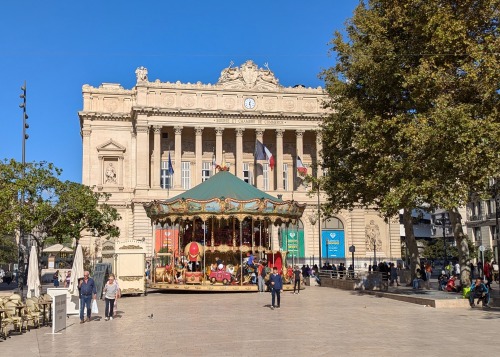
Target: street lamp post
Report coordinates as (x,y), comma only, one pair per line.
(21,247)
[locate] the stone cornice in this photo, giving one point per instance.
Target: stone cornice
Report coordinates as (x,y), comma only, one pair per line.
(150,111)
(87,115)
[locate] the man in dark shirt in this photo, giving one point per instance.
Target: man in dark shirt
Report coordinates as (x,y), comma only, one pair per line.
(479,291)
(87,291)
(276,287)
(297,275)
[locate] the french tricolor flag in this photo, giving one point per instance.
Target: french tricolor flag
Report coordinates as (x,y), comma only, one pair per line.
(263,153)
(300,167)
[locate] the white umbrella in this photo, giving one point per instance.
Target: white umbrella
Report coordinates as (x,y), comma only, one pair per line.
(33,278)
(76,271)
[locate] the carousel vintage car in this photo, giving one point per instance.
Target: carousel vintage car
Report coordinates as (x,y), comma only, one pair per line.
(222,219)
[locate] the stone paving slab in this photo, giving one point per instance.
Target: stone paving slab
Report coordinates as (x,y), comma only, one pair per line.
(317,322)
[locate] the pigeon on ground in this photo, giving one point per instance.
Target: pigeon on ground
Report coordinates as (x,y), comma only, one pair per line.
(150,316)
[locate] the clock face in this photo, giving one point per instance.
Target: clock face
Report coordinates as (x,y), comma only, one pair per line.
(249,103)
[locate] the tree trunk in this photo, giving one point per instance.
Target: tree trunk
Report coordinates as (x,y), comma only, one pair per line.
(462,245)
(411,243)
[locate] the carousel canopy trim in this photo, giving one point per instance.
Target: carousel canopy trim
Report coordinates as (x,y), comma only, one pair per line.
(223,195)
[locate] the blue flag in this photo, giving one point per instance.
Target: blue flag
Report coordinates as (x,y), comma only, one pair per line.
(260,153)
(170,167)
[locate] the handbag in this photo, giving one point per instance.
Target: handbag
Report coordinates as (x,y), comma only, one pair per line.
(95,310)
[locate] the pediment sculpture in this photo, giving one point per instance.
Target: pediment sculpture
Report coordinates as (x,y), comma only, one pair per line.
(248,76)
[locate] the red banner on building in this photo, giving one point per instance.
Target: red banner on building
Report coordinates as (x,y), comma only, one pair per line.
(166,239)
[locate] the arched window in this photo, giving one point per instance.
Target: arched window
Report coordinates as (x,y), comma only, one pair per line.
(332,223)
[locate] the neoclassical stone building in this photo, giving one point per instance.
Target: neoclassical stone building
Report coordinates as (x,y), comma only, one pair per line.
(129,136)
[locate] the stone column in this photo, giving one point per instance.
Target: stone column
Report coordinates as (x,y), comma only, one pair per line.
(142,156)
(239,152)
(319,147)
(218,145)
(156,157)
(177,156)
(86,157)
(299,143)
(279,159)
(198,154)
(259,178)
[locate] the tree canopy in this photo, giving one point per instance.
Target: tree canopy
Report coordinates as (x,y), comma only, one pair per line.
(414,99)
(51,207)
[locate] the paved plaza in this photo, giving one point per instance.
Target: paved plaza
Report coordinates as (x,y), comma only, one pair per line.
(318,322)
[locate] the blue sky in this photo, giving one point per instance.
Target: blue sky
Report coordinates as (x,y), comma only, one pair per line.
(57,46)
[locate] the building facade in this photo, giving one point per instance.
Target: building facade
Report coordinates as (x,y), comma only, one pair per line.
(160,138)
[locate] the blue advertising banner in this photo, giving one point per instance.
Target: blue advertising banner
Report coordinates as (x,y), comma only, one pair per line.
(332,243)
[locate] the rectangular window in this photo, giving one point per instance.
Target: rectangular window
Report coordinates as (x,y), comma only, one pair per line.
(186,175)
(285,177)
(166,180)
(265,176)
(247,177)
(206,171)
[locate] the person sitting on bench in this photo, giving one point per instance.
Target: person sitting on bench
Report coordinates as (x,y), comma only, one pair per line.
(479,291)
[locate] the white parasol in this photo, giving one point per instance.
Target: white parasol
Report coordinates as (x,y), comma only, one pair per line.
(33,278)
(76,271)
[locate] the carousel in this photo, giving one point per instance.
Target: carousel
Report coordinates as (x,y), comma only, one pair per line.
(218,236)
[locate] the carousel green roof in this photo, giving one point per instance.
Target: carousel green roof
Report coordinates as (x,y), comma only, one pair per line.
(224,185)
(223,195)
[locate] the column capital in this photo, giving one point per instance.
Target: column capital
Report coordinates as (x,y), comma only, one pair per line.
(279,133)
(219,131)
(299,133)
(157,129)
(198,130)
(86,132)
(239,131)
(178,130)
(259,132)
(142,128)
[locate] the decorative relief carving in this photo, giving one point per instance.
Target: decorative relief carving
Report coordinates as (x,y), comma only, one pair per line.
(248,75)
(299,133)
(131,247)
(110,174)
(229,103)
(239,131)
(198,130)
(169,101)
(131,278)
(110,104)
(310,106)
(289,104)
(269,104)
(157,129)
(189,101)
(142,74)
(219,131)
(178,130)
(372,237)
(279,133)
(209,102)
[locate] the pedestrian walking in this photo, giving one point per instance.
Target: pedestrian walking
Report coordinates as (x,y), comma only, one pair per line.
(55,279)
(87,291)
(297,276)
(261,283)
(276,288)
(111,293)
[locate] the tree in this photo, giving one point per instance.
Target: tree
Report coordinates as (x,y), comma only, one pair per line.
(50,208)
(414,96)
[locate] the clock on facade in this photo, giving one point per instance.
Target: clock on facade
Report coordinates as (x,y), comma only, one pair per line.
(249,103)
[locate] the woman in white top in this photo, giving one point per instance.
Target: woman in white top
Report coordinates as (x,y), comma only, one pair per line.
(111,292)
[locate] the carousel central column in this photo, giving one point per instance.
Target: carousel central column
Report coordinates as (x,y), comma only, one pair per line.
(157,157)
(259,177)
(279,159)
(300,150)
(239,152)
(218,145)
(177,156)
(199,154)
(142,156)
